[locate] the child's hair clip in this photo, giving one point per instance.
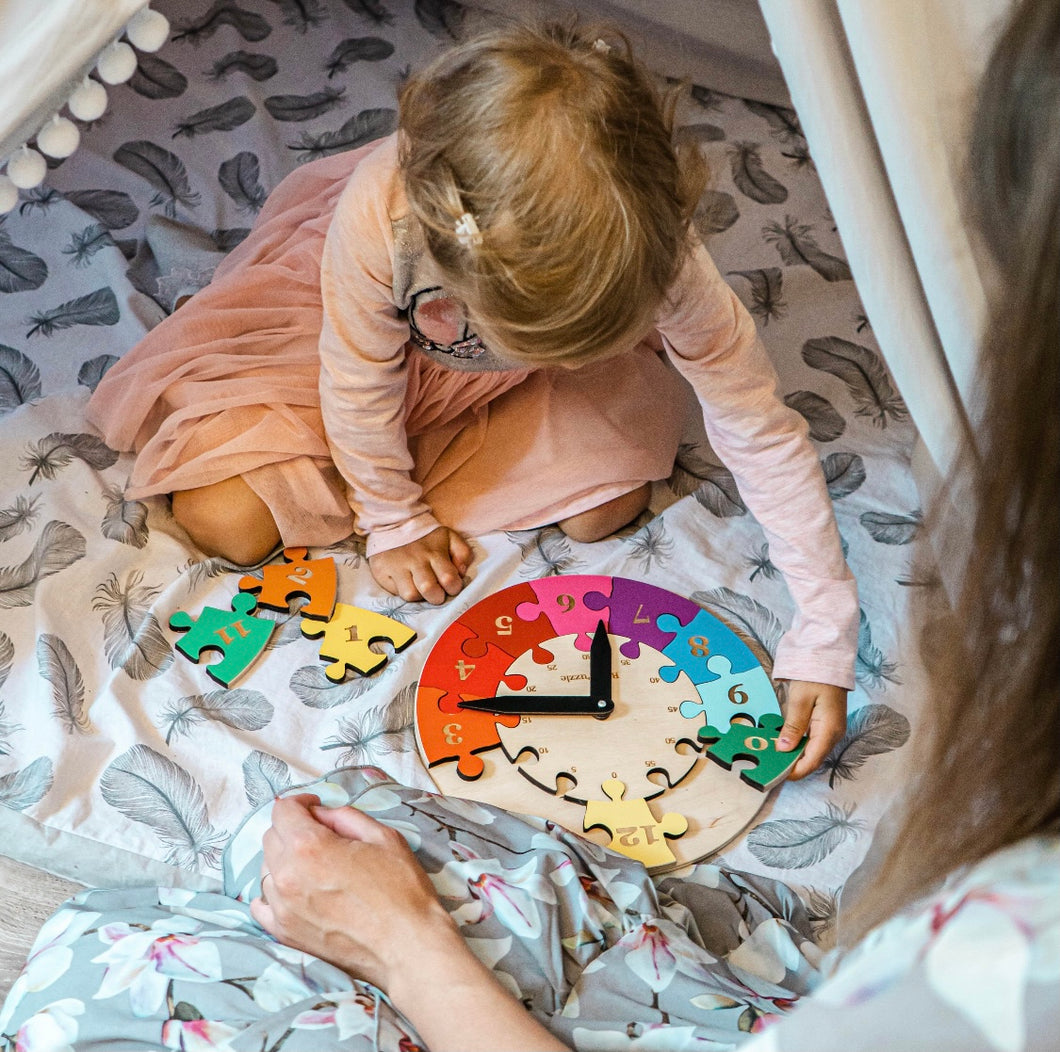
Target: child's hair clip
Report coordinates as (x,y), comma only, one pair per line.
(467,231)
(599,44)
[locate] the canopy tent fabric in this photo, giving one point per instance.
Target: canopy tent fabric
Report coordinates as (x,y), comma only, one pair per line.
(45,51)
(884,92)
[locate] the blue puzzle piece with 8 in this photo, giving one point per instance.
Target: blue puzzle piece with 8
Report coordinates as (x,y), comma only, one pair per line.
(749,693)
(697,642)
(742,741)
(239,637)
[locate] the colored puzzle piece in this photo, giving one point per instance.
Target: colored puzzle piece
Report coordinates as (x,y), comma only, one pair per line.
(300,576)
(462,678)
(492,620)
(694,643)
(635,831)
(445,737)
(239,637)
(732,694)
(348,635)
(742,741)
(561,600)
(633,609)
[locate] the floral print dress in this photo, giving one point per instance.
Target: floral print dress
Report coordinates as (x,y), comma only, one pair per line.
(582,936)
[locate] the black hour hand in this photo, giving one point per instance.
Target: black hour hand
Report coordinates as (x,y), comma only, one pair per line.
(542,705)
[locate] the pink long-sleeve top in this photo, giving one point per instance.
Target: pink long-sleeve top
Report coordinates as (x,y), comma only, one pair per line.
(373,275)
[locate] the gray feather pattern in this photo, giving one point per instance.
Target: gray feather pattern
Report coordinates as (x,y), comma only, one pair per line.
(19,379)
(264,776)
(371,734)
(257,67)
(887,528)
(92,371)
(155,78)
(767,292)
(248,24)
(56,450)
(751,177)
(223,117)
(304,107)
(826,425)
(240,178)
(715,212)
(444,18)
(796,843)
(124,520)
(863,372)
(58,667)
(796,244)
(58,546)
(745,615)
(164,171)
(314,690)
(132,637)
(18,517)
(871,667)
(719,495)
(94,308)
(148,788)
(240,709)
(20,269)
(7,657)
(113,208)
(871,730)
(361,128)
(843,473)
(357,49)
(22,789)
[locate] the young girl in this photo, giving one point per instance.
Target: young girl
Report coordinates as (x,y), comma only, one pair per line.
(482,323)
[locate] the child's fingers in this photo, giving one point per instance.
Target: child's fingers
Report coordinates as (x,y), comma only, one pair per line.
(797,714)
(460,552)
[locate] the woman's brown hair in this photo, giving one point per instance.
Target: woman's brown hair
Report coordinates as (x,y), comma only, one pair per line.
(560,147)
(988,769)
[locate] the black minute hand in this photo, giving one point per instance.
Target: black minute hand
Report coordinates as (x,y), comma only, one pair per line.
(542,705)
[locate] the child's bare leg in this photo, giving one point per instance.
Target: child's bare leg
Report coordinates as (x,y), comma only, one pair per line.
(227,519)
(602,521)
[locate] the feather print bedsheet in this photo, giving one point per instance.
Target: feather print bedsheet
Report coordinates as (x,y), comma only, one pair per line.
(120,761)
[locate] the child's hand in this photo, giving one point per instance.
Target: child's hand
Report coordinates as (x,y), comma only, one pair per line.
(430,568)
(818,709)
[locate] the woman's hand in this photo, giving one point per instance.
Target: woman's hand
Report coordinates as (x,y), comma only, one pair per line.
(429,568)
(340,885)
(817,709)
(343,887)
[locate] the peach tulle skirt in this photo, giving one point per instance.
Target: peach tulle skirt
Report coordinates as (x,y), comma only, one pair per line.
(228,385)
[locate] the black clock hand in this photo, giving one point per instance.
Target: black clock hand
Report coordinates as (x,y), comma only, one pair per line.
(600,664)
(542,705)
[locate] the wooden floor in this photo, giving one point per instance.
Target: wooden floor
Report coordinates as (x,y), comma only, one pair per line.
(27,898)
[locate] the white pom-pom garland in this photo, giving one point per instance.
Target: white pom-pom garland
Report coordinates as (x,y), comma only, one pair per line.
(58,138)
(89,100)
(147,30)
(117,63)
(26,168)
(8,194)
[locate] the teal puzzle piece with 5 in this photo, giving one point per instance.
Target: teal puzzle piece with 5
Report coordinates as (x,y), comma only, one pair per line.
(239,637)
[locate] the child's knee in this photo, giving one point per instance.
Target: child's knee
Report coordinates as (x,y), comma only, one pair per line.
(227,520)
(602,521)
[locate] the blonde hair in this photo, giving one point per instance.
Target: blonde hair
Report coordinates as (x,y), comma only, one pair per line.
(561,149)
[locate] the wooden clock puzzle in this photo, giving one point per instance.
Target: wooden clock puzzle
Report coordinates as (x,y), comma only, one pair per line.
(612,706)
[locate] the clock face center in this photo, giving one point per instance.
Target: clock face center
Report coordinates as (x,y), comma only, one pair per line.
(641,742)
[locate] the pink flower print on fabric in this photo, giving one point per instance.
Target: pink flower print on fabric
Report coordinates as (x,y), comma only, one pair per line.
(146,962)
(350,1013)
(649,956)
(53,1029)
(512,894)
(438,322)
(197,1035)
